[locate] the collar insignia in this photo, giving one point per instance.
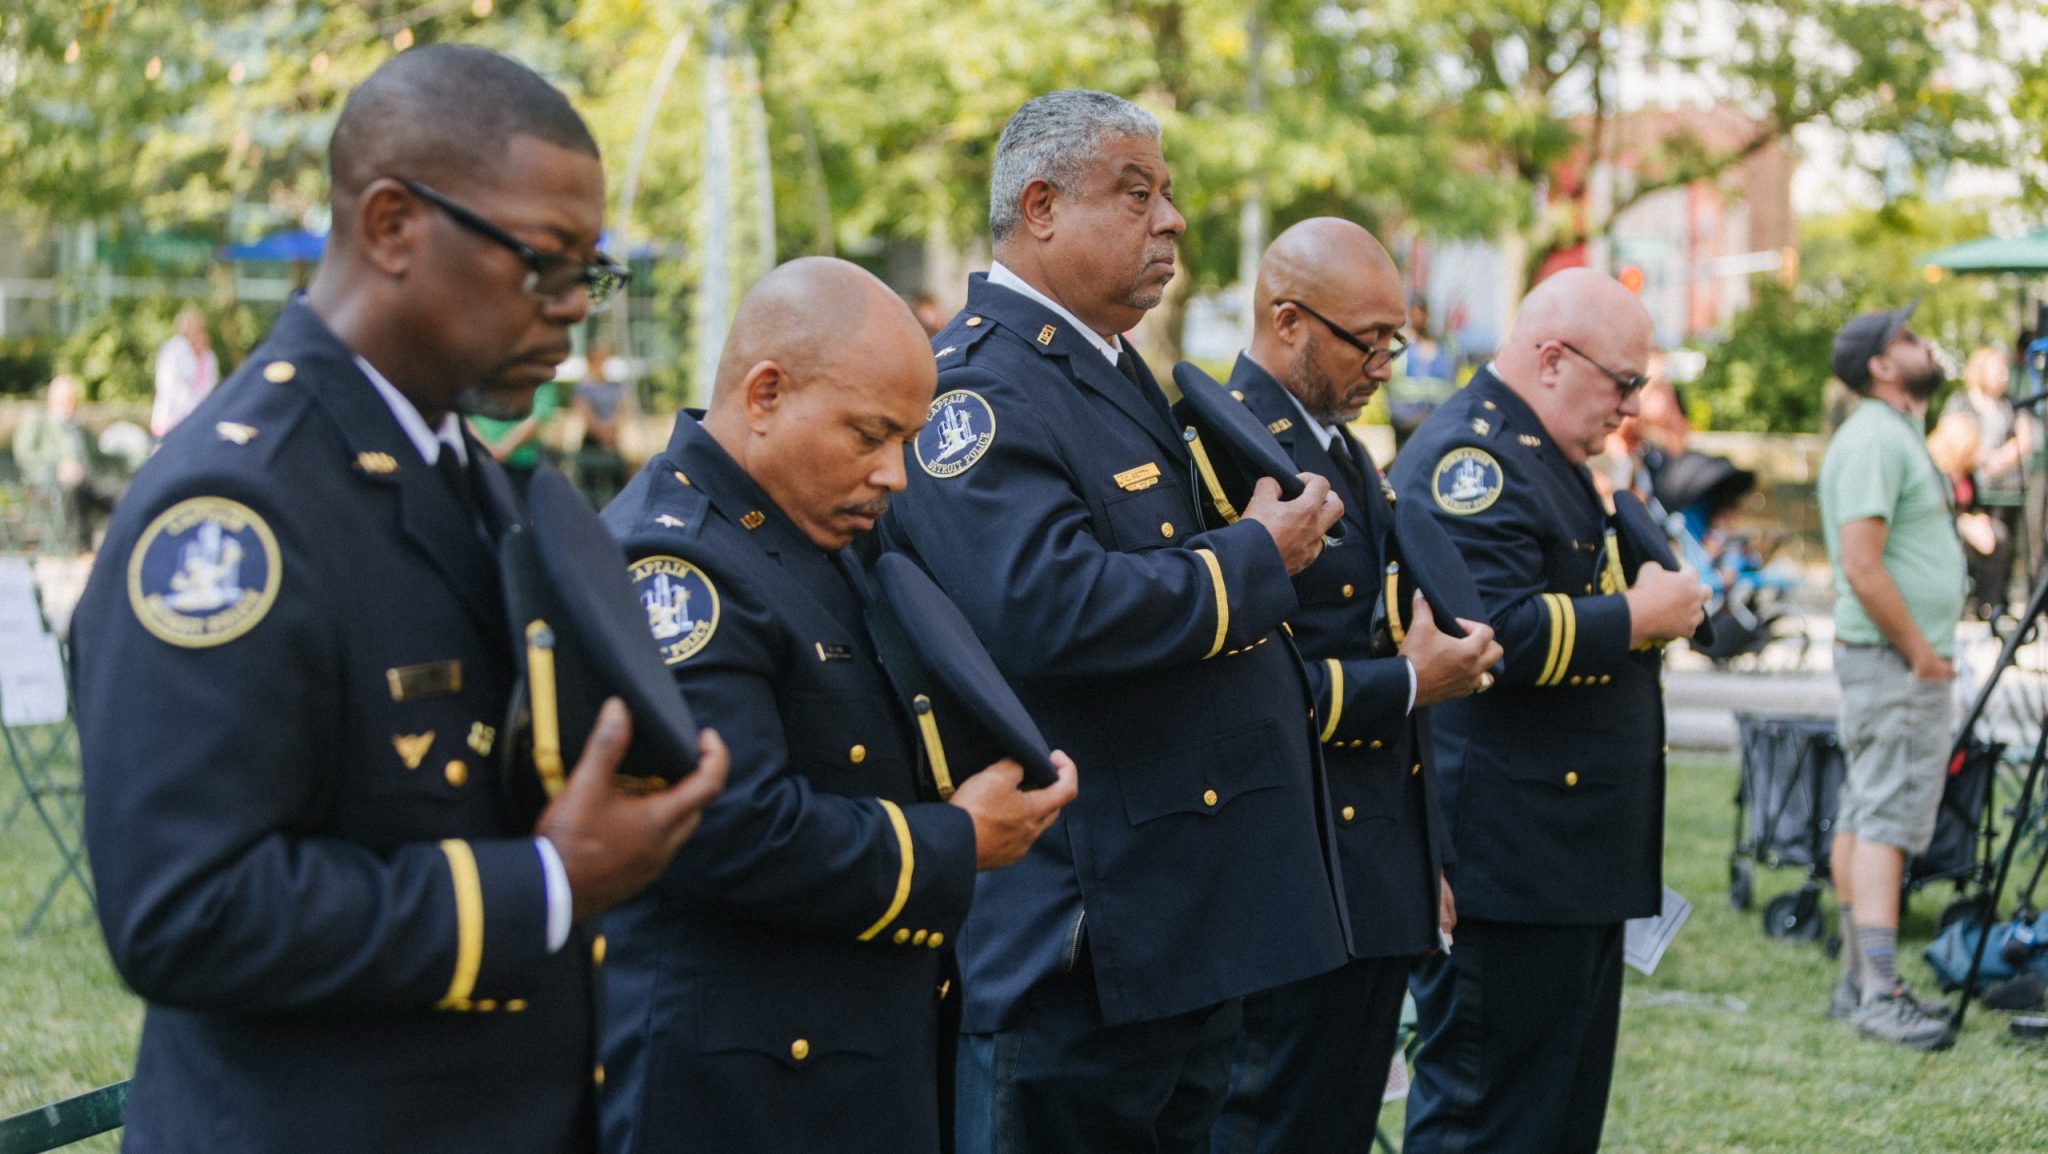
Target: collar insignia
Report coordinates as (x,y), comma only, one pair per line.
(412,747)
(753,519)
(235,433)
(669,520)
(378,464)
(1046,334)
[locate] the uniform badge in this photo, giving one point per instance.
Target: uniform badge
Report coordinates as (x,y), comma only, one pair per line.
(958,429)
(681,604)
(204,573)
(1466,481)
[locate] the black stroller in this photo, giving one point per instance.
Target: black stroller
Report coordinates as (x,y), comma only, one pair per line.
(1784,816)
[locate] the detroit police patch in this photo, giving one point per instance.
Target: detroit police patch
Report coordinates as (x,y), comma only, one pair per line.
(204,573)
(1466,481)
(957,431)
(681,604)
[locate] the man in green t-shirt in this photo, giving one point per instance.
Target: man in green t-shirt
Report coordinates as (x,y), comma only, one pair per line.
(1899,588)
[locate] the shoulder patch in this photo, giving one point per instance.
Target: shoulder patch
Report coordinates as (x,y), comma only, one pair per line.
(958,430)
(681,604)
(204,572)
(1467,481)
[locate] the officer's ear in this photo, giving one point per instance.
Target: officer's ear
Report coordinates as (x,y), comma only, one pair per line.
(389,226)
(1035,207)
(763,390)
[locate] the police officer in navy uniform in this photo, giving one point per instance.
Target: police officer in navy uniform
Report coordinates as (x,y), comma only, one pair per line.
(1554,779)
(1052,499)
(780,987)
(1312,1061)
(293,664)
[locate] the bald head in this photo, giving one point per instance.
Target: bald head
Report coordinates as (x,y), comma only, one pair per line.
(1322,281)
(824,379)
(1575,334)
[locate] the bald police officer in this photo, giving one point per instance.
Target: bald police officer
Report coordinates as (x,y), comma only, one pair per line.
(1052,499)
(1554,779)
(294,660)
(1313,1058)
(781,986)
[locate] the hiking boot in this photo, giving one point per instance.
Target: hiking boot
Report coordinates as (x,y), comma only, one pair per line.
(1847,996)
(1940,1011)
(1898,1019)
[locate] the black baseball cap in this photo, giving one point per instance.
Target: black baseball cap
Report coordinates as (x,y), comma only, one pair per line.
(1863,338)
(581,635)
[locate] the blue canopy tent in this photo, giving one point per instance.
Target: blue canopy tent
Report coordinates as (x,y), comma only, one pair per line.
(296,245)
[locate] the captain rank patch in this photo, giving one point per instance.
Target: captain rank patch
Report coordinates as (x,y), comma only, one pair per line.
(204,572)
(681,604)
(1466,481)
(957,431)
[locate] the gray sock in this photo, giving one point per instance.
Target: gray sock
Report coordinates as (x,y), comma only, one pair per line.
(1852,954)
(1878,944)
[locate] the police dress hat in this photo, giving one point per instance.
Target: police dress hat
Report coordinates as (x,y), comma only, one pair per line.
(581,636)
(1863,338)
(1637,540)
(966,713)
(1231,448)
(1421,555)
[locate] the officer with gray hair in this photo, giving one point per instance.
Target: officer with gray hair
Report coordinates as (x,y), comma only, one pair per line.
(1103,974)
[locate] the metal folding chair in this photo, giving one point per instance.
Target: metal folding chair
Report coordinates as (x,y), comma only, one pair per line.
(45,759)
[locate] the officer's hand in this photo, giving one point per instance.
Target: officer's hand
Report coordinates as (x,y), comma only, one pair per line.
(1008,819)
(1663,605)
(1446,908)
(1447,667)
(1297,526)
(611,843)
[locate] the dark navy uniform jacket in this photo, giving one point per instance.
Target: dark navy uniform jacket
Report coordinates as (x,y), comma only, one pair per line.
(779,987)
(1053,502)
(1553,780)
(1390,838)
(292,662)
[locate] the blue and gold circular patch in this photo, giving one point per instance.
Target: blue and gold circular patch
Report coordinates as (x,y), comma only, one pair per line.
(1467,481)
(681,604)
(957,431)
(204,573)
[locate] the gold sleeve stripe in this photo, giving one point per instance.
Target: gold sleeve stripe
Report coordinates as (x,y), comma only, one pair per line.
(1336,697)
(469,920)
(1556,639)
(909,855)
(1209,481)
(1222,601)
(1570,613)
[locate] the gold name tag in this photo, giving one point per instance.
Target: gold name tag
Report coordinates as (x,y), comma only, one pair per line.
(1139,479)
(833,652)
(417,682)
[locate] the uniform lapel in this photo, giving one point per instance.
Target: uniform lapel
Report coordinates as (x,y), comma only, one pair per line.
(1085,364)
(432,518)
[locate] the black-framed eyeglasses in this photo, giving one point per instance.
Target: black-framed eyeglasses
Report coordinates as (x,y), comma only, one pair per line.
(549,276)
(1374,355)
(1628,385)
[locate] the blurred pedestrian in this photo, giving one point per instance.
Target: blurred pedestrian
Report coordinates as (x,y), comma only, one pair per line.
(50,452)
(186,371)
(516,442)
(599,405)
(2004,438)
(1899,589)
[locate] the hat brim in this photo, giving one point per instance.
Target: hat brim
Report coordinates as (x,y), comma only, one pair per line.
(1642,540)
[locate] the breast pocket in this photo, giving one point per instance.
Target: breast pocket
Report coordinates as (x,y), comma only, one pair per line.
(1202,779)
(1153,518)
(837,739)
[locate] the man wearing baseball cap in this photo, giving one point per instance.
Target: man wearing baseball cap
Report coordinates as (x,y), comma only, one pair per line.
(1899,589)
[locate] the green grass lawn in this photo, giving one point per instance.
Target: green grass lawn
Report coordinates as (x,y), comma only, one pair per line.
(1727,1048)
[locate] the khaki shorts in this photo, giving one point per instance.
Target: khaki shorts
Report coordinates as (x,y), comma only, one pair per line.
(1896,733)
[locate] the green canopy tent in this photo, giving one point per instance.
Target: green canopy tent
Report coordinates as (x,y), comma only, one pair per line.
(2026,256)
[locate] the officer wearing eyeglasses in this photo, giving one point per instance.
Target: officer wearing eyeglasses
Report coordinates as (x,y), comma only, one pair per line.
(1554,780)
(293,668)
(1312,1059)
